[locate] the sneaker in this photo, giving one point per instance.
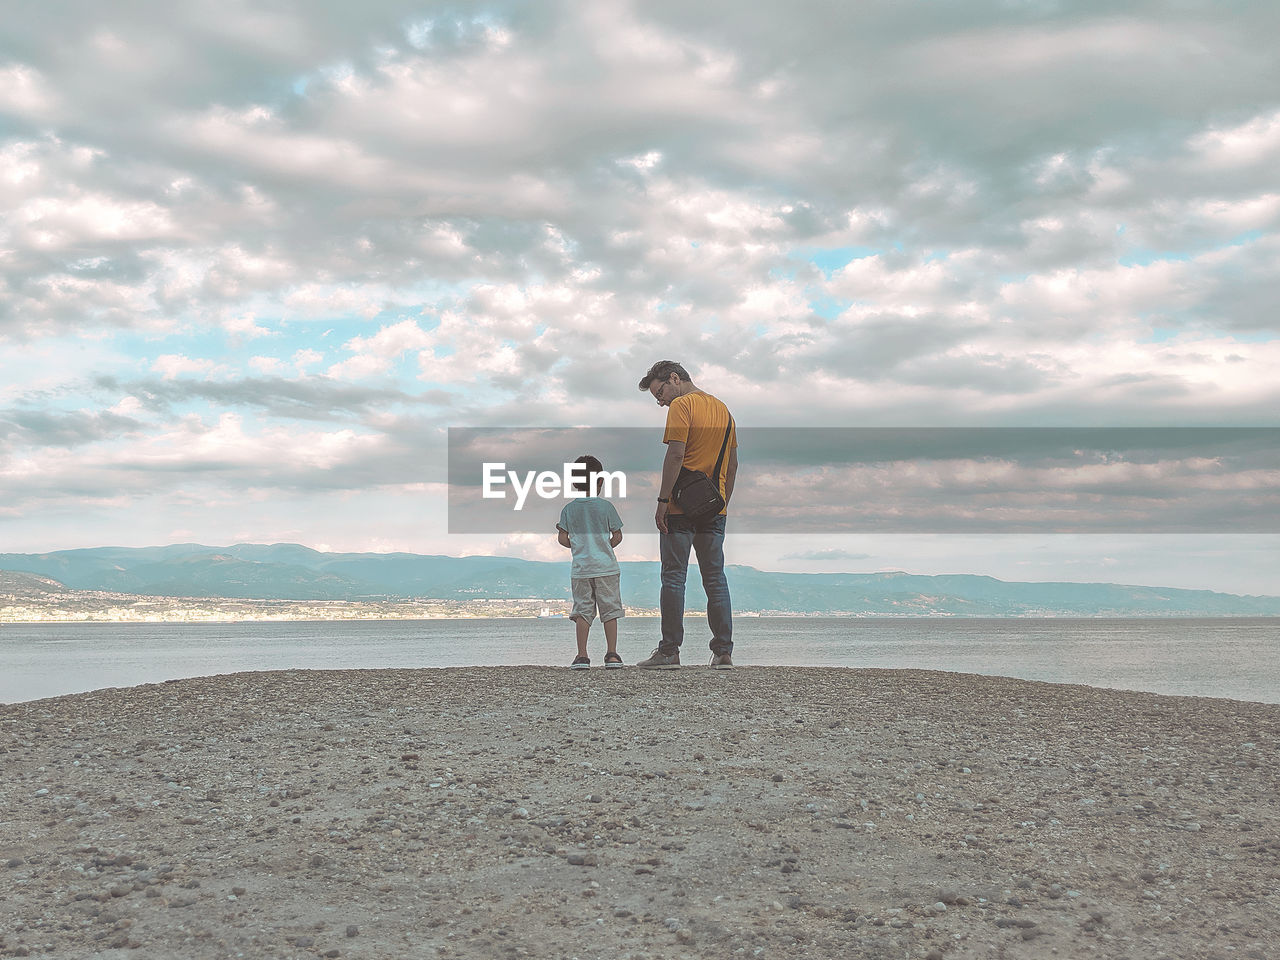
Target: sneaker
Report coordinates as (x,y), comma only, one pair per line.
(661,661)
(721,661)
(612,661)
(580,662)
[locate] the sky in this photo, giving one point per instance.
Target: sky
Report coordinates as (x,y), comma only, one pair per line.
(257,259)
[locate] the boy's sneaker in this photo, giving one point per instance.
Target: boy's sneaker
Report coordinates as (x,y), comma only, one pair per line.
(612,661)
(661,661)
(721,661)
(580,662)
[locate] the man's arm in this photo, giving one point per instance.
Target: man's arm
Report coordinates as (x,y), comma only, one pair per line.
(731,471)
(671,465)
(564,537)
(615,538)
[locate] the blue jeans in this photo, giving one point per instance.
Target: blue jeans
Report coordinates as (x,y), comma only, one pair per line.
(707,541)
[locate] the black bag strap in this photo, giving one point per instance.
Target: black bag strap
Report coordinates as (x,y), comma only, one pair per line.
(715,474)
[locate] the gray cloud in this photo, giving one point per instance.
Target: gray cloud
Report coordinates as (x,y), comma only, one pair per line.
(44,428)
(315,398)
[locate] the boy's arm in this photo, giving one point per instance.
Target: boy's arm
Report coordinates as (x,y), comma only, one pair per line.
(563,537)
(615,538)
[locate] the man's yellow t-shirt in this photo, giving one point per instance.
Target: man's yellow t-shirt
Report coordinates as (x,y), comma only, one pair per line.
(699,421)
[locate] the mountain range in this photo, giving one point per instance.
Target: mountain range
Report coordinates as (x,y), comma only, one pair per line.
(286,571)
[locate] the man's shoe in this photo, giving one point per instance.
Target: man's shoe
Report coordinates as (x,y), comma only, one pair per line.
(721,661)
(612,661)
(661,661)
(580,662)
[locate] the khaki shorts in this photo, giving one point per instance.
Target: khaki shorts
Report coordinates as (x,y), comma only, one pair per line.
(597,593)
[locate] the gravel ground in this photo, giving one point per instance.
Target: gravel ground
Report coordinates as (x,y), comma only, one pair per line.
(538,812)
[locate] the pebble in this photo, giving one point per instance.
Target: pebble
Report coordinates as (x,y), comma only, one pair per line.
(582,860)
(352,930)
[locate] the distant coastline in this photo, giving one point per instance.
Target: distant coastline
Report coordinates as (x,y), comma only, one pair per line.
(191,582)
(98,607)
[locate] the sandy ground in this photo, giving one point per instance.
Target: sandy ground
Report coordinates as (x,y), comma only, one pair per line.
(538,812)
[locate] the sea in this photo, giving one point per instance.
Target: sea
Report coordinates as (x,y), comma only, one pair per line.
(1237,659)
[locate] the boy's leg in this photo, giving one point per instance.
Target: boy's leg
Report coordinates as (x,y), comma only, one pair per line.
(608,596)
(584,610)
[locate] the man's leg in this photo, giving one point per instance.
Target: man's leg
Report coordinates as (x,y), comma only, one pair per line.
(708,544)
(674,549)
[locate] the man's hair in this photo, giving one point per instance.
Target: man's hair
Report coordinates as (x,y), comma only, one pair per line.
(662,370)
(593,466)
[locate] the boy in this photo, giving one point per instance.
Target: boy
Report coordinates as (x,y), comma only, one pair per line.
(591,528)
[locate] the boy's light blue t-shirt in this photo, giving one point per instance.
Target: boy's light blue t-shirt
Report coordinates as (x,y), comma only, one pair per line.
(590,522)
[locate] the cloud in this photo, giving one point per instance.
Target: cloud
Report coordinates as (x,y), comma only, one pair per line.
(41,428)
(172,365)
(1013,214)
(25,91)
(375,354)
(303,399)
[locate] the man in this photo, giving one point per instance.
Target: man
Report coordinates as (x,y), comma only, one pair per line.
(695,434)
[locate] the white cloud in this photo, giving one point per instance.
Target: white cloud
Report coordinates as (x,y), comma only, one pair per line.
(128,407)
(1226,149)
(267,365)
(51,224)
(25,91)
(245,325)
(171,365)
(307,357)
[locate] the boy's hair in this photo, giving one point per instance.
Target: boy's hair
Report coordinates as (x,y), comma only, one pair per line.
(593,466)
(662,370)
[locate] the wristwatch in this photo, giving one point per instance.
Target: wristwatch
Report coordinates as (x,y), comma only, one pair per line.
(664,499)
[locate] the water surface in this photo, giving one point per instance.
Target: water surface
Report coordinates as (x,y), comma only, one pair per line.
(1233,658)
